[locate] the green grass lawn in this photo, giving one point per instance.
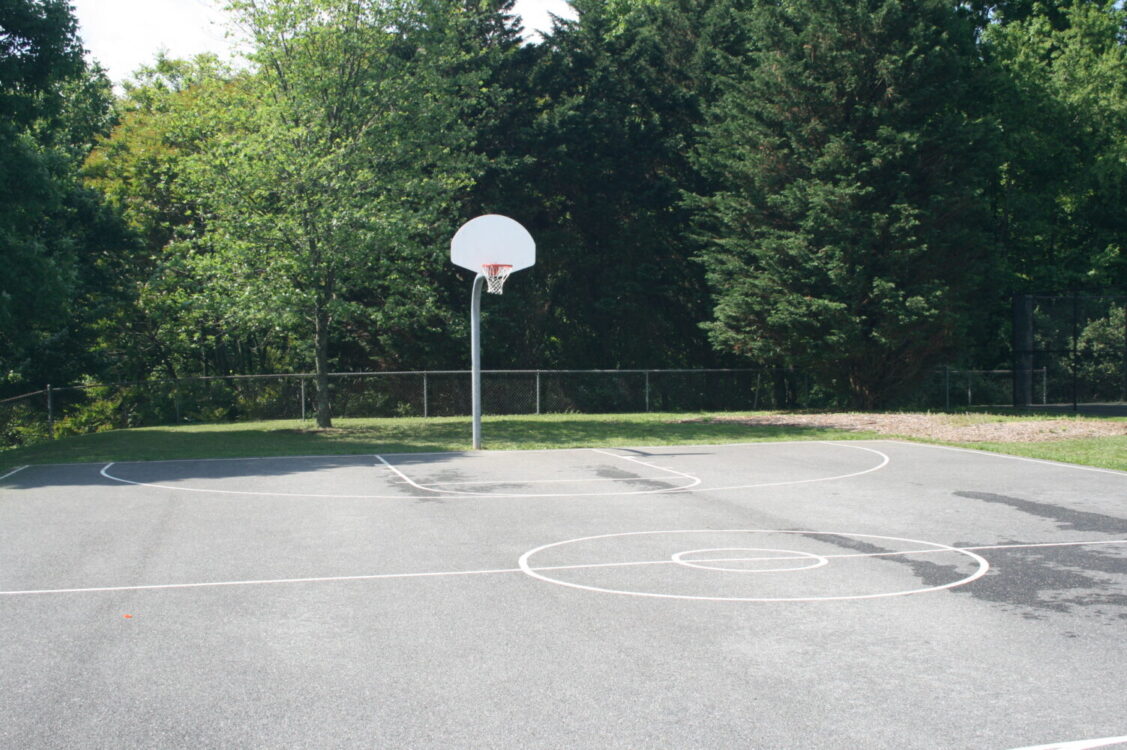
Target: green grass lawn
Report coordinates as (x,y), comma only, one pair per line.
(400,435)
(1105,453)
(404,435)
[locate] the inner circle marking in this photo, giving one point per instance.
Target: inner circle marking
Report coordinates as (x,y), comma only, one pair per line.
(788,554)
(982,566)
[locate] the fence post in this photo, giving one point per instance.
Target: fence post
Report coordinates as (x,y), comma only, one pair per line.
(50,413)
(1044,385)
(537,391)
(1075,352)
(970,398)
(302,381)
(947,387)
(1023,350)
(426,409)
(647,390)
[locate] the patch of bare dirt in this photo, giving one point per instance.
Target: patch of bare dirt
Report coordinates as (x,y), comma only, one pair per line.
(959,428)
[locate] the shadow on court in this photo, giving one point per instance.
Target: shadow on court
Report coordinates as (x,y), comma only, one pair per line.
(387,437)
(884,595)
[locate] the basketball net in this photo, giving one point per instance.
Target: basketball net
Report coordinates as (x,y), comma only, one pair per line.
(495,275)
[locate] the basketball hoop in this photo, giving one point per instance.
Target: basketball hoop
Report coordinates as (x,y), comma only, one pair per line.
(495,275)
(491,247)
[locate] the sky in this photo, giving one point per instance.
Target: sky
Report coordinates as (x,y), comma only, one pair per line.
(123,35)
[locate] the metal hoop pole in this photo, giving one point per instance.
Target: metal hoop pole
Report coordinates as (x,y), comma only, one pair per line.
(475,357)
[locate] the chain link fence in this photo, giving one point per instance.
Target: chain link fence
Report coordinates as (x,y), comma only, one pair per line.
(1079,340)
(1068,350)
(74,410)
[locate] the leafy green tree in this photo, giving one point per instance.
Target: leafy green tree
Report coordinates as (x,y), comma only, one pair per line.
(1060,198)
(53,232)
(1101,349)
(849,160)
(178,321)
(324,195)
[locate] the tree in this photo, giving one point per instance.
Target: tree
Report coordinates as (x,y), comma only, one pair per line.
(53,232)
(1060,195)
(846,224)
(325,191)
(598,162)
(177,320)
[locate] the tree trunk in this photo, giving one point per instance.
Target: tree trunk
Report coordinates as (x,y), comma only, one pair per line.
(321,345)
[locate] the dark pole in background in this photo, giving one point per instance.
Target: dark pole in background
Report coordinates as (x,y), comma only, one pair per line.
(1023,350)
(1075,351)
(1123,389)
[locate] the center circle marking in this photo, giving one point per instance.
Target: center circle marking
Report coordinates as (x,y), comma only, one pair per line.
(982,566)
(780,554)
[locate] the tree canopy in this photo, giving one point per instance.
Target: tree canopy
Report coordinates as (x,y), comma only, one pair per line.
(55,237)
(849,157)
(847,189)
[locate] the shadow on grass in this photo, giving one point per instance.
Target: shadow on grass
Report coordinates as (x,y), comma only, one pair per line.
(517,433)
(370,436)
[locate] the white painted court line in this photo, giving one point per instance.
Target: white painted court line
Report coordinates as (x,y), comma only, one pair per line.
(938,548)
(260,493)
(211,491)
(895,553)
(885,460)
(544,481)
(13,471)
(644,463)
(1080,744)
(991,454)
(260,582)
(321,456)
(692,487)
(1048,544)
(466,453)
(693,481)
(982,567)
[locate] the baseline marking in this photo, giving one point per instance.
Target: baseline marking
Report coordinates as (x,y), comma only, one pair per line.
(492,571)
(885,459)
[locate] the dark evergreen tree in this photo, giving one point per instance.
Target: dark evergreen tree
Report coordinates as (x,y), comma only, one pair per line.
(846,231)
(54,233)
(596,159)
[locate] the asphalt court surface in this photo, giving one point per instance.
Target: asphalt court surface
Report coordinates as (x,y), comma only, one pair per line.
(849,594)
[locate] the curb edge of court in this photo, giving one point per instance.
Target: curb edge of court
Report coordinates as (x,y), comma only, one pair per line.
(979,451)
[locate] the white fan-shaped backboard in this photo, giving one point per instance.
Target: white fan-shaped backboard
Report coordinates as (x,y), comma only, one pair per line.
(492,239)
